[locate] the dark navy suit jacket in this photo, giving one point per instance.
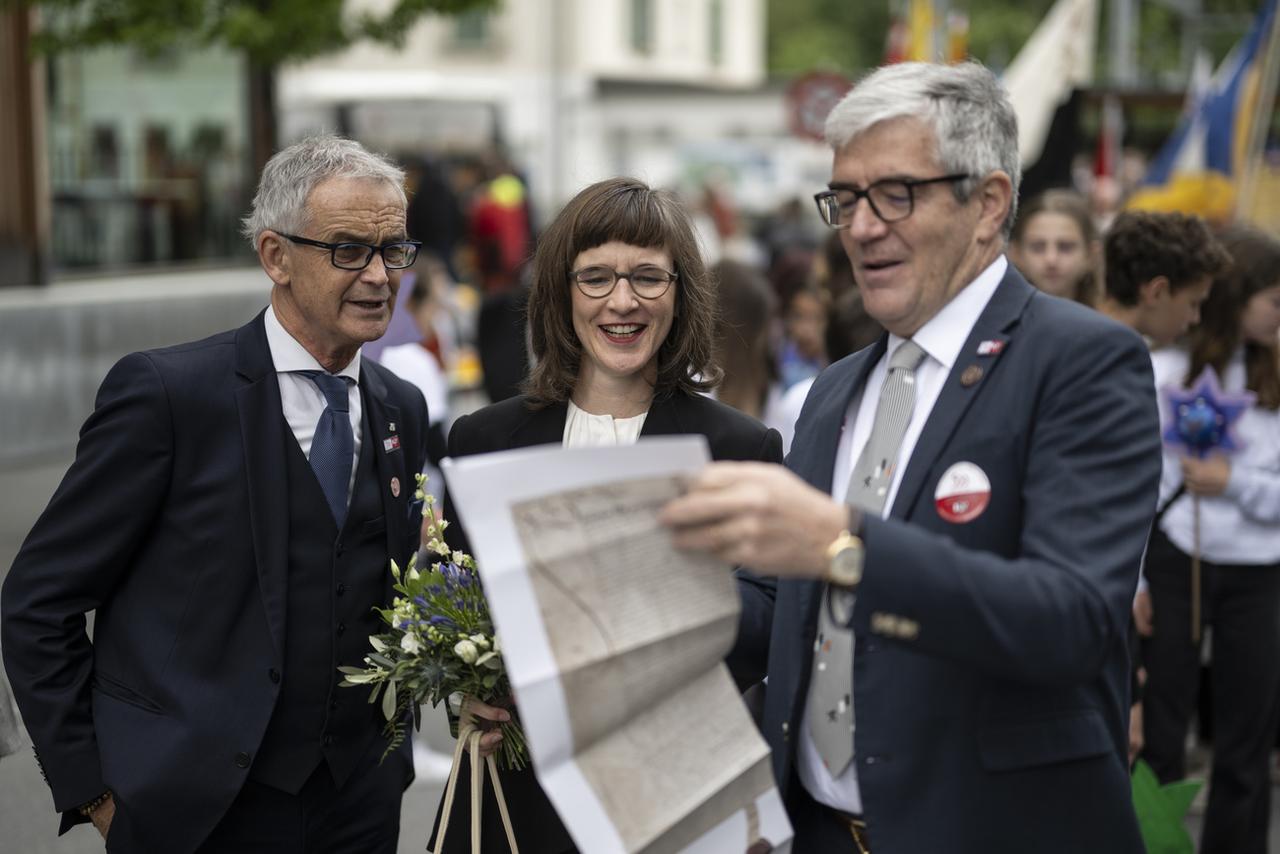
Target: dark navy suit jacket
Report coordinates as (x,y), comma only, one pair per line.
(990,667)
(172,525)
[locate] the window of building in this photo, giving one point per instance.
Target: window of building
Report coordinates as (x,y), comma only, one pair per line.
(715,30)
(642,26)
(471,29)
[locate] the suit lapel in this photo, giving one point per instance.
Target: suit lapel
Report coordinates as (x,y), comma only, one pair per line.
(540,427)
(396,484)
(813,454)
(664,417)
(263,434)
(969,374)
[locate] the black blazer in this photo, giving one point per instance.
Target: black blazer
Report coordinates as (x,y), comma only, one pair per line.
(512,424)
(169,526)
(991,667)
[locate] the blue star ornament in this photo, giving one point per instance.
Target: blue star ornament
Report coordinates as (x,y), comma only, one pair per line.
(1202,418)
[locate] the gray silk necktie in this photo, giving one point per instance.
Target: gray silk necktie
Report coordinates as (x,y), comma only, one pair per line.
(830,705)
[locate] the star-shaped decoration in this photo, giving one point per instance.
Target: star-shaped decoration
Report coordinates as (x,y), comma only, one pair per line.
(1202,417)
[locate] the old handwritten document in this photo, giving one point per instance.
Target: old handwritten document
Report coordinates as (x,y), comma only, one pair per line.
(614,640)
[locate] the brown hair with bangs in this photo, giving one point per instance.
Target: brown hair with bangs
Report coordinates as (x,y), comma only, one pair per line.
(627,211)
(1254,267)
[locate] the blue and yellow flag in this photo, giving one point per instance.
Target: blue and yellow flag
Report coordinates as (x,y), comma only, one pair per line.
(1200,168)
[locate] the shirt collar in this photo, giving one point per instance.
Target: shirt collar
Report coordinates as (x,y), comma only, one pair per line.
(289,356)
(943,336)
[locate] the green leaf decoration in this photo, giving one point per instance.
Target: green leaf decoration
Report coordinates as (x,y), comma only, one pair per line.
(389,701)
(1162,811)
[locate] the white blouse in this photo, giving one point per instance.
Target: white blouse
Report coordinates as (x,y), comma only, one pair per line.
(584,430)
(1241,526)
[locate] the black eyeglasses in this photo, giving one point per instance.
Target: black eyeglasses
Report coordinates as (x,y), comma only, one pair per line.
(892,200)
(356,256)
(647,282)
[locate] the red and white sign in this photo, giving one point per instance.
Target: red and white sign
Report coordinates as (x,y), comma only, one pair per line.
(963,493)
(810,98)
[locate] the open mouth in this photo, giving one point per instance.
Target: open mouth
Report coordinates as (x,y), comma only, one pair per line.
(622,333)
(369,304)
(877,266)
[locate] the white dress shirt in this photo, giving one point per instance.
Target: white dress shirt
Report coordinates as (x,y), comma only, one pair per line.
(1241,526)
(301,399)
(941,338)
(584,430)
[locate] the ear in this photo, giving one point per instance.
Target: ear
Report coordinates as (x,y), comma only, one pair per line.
(274,256)
(1153,290)
(995,194)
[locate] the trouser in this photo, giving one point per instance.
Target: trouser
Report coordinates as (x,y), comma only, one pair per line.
(818,827)
(1242,603)
(362,817)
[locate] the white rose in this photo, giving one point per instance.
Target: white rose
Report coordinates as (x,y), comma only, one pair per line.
(410,643)
(480,641)
(466,650)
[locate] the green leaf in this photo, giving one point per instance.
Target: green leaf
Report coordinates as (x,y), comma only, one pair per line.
(389,701)
(1162,811)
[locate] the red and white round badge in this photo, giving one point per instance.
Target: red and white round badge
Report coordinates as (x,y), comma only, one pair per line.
(963,493)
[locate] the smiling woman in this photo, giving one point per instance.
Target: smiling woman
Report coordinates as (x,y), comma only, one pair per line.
(622,318)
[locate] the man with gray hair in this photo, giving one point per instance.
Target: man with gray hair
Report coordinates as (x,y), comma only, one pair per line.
(230,516)
(956,544)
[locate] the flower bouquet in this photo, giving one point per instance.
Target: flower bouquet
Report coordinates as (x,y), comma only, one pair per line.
(439,643)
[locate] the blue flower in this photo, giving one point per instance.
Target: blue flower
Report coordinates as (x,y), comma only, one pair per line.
(441,620)
(421,602)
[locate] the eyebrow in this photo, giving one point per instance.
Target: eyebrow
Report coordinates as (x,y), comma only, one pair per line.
(351,237)
(846,185)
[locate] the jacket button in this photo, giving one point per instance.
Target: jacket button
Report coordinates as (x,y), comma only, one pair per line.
(342,627)
(340,548)
(327,740)
(274,675)
(243,760)
(870,760)
(333,705)
(342,588)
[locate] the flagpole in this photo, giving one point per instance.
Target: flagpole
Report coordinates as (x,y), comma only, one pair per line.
(1261,124)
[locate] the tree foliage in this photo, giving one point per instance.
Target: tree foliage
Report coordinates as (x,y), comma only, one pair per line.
(839,35)
(268,32)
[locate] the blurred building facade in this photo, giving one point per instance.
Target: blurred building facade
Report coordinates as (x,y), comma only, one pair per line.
(571,91)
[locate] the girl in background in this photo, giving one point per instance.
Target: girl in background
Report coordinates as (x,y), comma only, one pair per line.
(1055,245)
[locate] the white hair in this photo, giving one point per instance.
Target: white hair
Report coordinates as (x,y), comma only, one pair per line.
(280,203)
(974,126)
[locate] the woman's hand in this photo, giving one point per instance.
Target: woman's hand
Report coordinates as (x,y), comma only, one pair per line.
(1207,477)
(485,718)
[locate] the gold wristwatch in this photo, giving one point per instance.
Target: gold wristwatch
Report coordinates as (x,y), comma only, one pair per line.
(845,556)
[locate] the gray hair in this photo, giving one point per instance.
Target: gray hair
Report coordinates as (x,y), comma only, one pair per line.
(974,126)
(292,173)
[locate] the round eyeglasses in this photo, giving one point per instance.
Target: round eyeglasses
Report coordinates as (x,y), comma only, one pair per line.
(891,200)
(356,256)
(647,282)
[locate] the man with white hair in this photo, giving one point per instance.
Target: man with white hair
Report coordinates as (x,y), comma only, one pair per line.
(957,541)
(230,516)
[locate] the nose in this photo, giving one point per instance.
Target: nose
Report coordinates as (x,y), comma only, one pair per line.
(376,271)
(623,298)
(863,222)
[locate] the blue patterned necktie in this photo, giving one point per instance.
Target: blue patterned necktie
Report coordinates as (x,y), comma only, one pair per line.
(333,445)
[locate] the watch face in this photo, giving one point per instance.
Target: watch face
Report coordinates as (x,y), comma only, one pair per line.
(846,564)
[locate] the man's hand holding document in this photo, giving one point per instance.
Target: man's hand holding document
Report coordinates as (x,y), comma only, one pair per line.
(614,643)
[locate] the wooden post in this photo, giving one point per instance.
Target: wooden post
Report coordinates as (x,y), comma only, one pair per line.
(25,228)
